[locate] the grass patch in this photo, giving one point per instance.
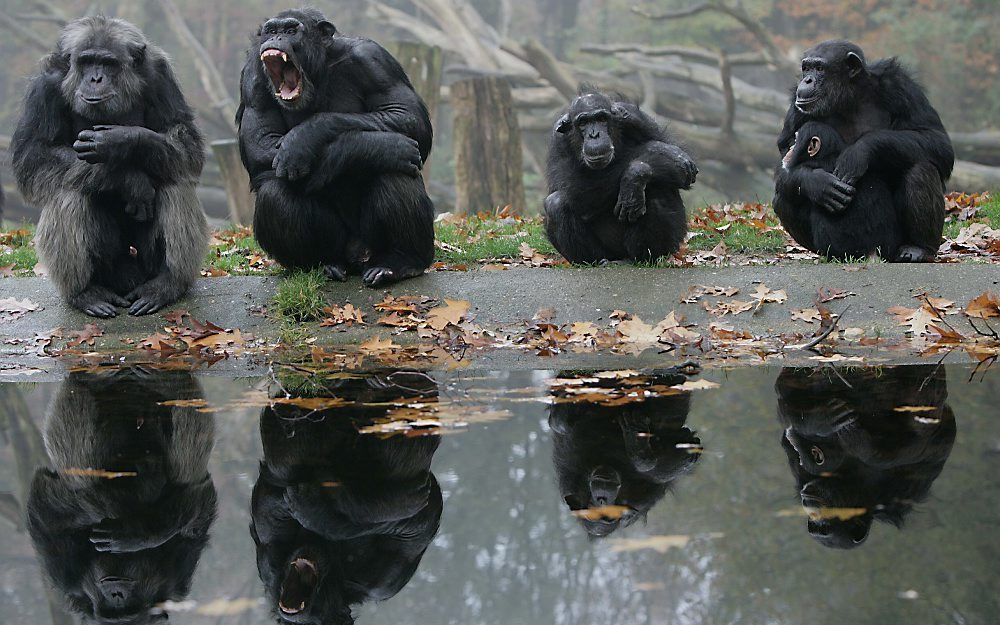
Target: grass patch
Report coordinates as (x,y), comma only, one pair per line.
(739,238)
(16,250)
(235,251)
(989,213)
(300,296)
(479,238)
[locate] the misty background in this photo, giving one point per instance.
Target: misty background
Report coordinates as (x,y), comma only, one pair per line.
(718,73)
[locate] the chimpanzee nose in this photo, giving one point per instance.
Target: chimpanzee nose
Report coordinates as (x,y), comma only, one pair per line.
(593,134)
(808,80)
(96,79)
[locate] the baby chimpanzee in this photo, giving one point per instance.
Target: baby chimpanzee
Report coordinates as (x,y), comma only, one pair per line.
(874,225)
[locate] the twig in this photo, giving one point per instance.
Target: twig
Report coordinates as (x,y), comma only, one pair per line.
(822,336)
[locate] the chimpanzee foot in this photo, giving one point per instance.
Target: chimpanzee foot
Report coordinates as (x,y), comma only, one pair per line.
(913,254)
(147,299)
(378,276)
(98,301)
(335,272)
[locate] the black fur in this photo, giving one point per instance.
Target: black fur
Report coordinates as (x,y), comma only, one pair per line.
(621,455)
(337,169)
(121,225)
(116,548)
(890,128)
(864,226)
(849,448)
(361,510)
(613,177)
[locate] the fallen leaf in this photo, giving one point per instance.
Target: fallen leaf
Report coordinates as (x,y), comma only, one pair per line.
(985,306)
(695,385)
(660,544)
(12,309)
(451,312)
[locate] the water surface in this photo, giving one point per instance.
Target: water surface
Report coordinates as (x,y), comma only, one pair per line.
(844,495)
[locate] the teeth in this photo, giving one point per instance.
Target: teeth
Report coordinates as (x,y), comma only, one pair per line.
(284,57)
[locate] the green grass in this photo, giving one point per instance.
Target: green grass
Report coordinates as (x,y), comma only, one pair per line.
(232,251)
(482,239)
(16,249)
(300,296)
(740,239)
(989,213)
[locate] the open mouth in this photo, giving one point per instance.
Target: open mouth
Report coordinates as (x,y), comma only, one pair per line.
(284,74)
(298,586)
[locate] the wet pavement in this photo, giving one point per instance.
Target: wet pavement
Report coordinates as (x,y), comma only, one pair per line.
(758,495)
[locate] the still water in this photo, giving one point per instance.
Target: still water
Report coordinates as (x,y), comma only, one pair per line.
(834,495)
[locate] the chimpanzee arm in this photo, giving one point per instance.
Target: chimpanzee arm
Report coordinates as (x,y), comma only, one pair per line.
(656,163)
(367,153)
(896,151)
(261,126)
(392,103)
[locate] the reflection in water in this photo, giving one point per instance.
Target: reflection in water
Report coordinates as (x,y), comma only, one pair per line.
(623,449)
(863,444)
(122,517)
(341,518)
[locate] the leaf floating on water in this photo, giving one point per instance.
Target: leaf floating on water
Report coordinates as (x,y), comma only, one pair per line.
(650,586)
(228,607)
(184,403)
(696,385)
(108,475)
(914,408)
(660,544)
(611,513)
(824,513)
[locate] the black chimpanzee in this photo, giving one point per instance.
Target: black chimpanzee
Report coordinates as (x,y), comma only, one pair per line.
(121,518)
(856,458)
(621,454)
(334,137)
(342,518)
(890,128)
(614,176)
(107,147)
(864,227)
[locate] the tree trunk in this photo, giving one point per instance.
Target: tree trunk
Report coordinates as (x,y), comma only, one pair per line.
(424,65)
(235,180)
(487,145)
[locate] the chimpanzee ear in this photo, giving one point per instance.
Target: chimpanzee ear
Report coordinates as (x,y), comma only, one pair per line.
(855,64)
(326,29)
(564,124)
(139,55)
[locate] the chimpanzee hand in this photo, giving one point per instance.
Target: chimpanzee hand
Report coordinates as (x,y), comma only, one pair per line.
(852,164)
(631,202)
(405,152)
(298,152)
(126,536)
(140,196)
(826,190)
(102,144)
(689,170)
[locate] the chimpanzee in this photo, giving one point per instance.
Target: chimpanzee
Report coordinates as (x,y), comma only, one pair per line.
(334,137)
(107,147)
(121,518)
(890,128)
(341,518)
(621,455)
(614,177)
(870,230)
(853,454)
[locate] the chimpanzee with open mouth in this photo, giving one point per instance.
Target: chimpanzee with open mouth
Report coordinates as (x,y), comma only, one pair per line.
(334,138)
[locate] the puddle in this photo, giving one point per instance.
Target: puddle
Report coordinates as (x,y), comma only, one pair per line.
(765,495)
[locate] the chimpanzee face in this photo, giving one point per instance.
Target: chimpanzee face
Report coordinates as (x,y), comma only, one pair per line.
(827,74)
(817,145)
(592,125)
(103,81)
(289,45)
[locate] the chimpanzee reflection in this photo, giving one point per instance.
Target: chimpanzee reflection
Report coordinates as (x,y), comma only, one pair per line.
(610,450)
(121,519)
(863,444)
(342,518)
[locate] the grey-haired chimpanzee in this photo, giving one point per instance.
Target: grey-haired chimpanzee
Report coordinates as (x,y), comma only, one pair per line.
(865,227)
(855,457)
(614,177)
(621,454)
(121,516)
(334,137)
(107,147)
(890,129)
(342,518)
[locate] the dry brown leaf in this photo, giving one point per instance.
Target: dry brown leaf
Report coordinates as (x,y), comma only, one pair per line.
(660,544)
(451,312)
(809,315)
(985,306)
